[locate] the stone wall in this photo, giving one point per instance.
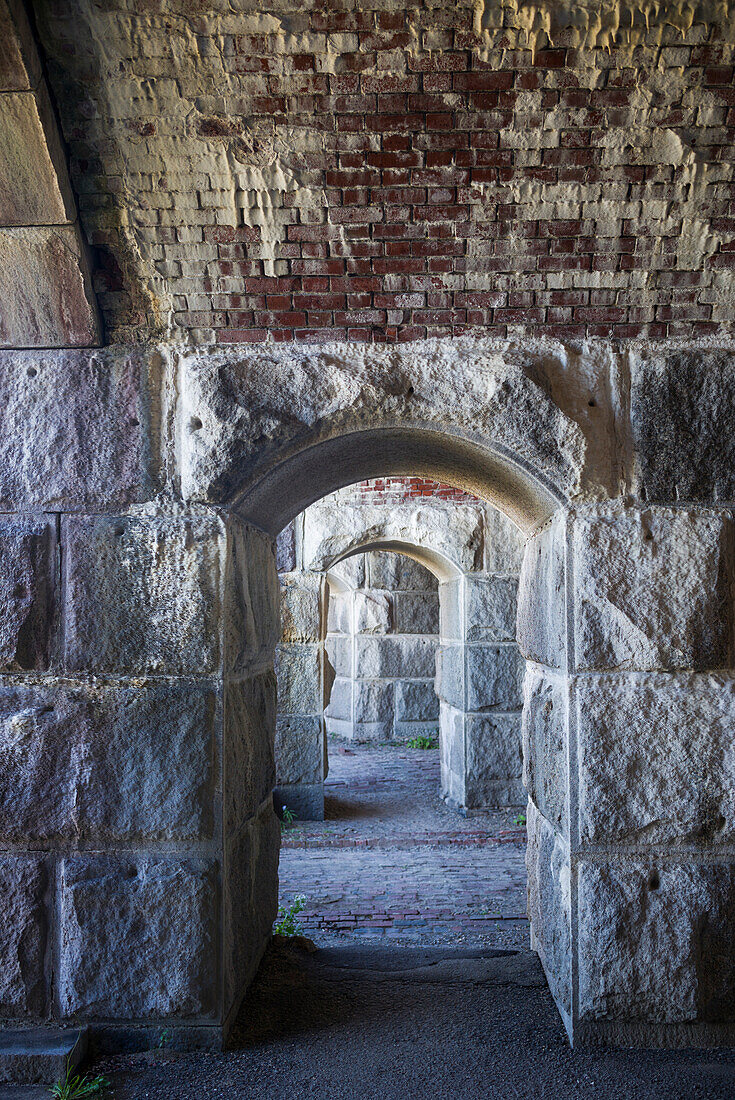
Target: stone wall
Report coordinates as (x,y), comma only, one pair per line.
(383,634)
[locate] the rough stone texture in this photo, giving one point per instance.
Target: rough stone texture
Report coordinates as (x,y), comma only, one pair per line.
(545,768)
(493,747)
(394,656)
(301,607)
(662,929)
(73,433)
(653,589)
(286,549)
(549,906)
(137,937)
(30,165)
(504,544)
(29,1056)
(64,748)
(20,67)
(656,758)
(47,299)
(490,608)
(451,619)
(373,612)
(299,750)
(249,730)
(449,679)
(416,613)
(239,400)
(339,616)
(23,932)
(250,899)
(416,701)
(340,699)
(251,601)
(143,595)
(298,669)
(679,400)
(338,648)
(494,677)
(28,567)
(398,572)
(454,533)
(541,626)
(373,702)
(452,753)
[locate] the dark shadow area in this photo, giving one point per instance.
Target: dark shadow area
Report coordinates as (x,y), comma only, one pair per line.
(388,1023)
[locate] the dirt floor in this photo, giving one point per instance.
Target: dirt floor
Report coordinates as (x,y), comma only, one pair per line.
(415,980)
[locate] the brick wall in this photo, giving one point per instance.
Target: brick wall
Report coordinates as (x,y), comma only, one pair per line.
(397,490)
(329,173)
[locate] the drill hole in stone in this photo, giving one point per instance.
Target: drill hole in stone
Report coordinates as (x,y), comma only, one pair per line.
(119,531)
(654,881)
(31,372)
(195,424)
(592,404)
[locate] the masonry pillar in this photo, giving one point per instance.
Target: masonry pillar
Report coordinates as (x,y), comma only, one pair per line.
(304,679)
(630,771)
(137,709)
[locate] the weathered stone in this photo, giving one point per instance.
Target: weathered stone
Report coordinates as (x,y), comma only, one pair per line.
(304,800)
(449,679)
(250,899)
(656,758)
(254,404)
(452,754)
(64,748)
(494,677)
(340,699)
(549,906)
(339,653)
(504,543)
(373,702)
(490,608)
(299,750)
(451,534)
(394,656)
(451,620)
(143,595)
(416,613)
(541,629)
(399,573)
(493,749)
(73,429)
(679,400)
(656,937)
(350,570)
(298,668)
(286,549)
(28,563)
(545,768)
(20,67)
(137,937)
(416,701)
(45,289)
(23,931)
(249,732)
(373,612)
(339,615)
(251,599)
(33,1055)
(301,607)
(33,181)
(652,588)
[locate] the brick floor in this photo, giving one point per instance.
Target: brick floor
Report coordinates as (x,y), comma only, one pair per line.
(392,859)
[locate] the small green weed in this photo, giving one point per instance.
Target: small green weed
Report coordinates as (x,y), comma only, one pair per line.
(519,819)
(422,743)
(76,1086)
(286,924)
(165,1039)
(288,815)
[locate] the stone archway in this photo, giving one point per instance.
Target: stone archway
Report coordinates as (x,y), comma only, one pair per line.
(474,553)
(140,847)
